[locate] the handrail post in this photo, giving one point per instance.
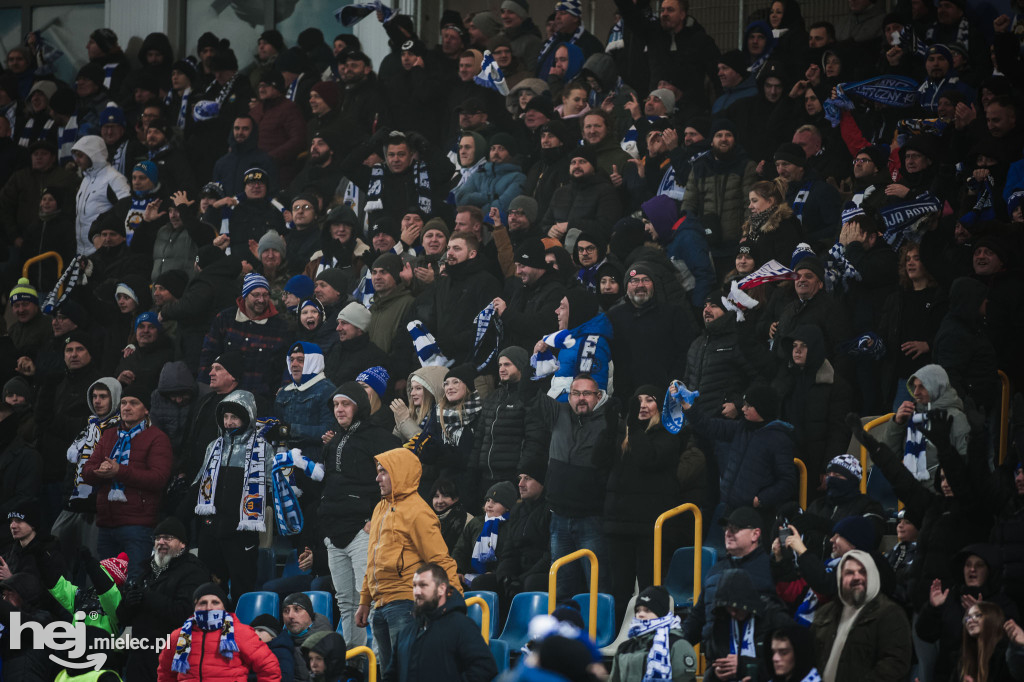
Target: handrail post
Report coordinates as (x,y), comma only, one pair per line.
(698,533)
(803,481)
(553,584)
(1004,415)
(46,255)
(485,612)
(877,421)
(371,660)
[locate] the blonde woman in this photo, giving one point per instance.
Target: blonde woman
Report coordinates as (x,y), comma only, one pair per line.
(771,231)
(422,390)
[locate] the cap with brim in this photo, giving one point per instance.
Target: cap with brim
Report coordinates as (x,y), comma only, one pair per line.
(742,517)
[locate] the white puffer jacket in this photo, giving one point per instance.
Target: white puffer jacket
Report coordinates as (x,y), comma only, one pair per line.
(101,187)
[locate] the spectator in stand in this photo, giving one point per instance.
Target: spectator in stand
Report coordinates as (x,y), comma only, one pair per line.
(32,550)
(877,634)
(404,535)
(163,597)
(129,469)
(99,183)
(253,329)
(244,153)
(301,622)
(588,203)
(222,634)
(282,126)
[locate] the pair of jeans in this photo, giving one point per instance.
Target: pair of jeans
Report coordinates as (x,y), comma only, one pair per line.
(387,622)
(569,534)
(348,567)
(136,541)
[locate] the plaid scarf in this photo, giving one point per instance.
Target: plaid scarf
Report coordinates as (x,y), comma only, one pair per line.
(81,450)
(659,659)
(757,221)
(838,270)
(121,454)
(254,485)
(208,621)
(455,421)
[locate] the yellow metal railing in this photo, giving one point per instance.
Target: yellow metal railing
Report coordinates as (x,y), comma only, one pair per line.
(803,481)
(553,582)
(864,451)
(485,620)
(46,255)
(371,660)
(698,534)
(1004,415)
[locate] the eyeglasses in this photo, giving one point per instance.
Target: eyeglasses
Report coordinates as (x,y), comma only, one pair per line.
(586,249)
(516,212)
(640,280)
(973,616)
(584,394)
(163,538)
(857,162)
(302,207)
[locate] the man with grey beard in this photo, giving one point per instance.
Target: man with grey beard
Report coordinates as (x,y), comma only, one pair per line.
(863,634)
(162,599)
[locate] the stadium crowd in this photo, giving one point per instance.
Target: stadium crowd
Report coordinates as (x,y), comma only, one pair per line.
(435,322)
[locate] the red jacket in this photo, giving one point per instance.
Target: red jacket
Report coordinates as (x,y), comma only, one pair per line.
(208,664)
(144,478)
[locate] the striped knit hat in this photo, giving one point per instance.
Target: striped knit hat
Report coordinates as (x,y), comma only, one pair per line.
(116,568)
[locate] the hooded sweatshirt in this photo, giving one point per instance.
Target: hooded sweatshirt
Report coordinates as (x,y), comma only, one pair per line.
(404,535)
(850,611)
(101,187)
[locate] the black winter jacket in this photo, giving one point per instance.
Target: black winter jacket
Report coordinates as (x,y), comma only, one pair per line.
(443,644)
(642,483)
(524,547)
(647,342)
(348,358)
(531,310)
(451,304)
(718,366)
(61,410)
(501,432)
(589,204)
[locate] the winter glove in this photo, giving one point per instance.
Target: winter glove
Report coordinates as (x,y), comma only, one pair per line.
(134,596)
(862,436)
(295,458)
(417,141)
(940,426)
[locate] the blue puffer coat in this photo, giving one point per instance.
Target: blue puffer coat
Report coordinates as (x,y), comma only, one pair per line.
(492,185)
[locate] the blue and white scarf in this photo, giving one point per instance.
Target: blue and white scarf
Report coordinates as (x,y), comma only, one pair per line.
(914,450)
(800,200)
(486,543)
(545,59)
(839,272)
(909,42)
(868,344)
(963,32)
(81,450)
(746,645)
(672,415)
(421,180)
(544,364)
(67,135)
(631,140)
(616,37)
(183,109)
(29,134)
(293,89)
(900,219)
(208,621)
(490,75)
(210,109)
(121,454)
(659,658)
(427,350)
(287,512)
(254,486)
(351,15)
(805,610)
(669,187)
(894,91)
(485,320)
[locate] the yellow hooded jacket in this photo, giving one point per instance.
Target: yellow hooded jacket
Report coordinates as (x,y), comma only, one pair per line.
(404,534)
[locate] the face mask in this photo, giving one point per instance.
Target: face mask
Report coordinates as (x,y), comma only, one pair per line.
(210,620)
(840,486)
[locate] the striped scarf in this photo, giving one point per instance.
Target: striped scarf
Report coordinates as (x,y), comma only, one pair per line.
(484,320)
(80,451)
(914,457)
(121,454)
(254,485)
(208,621)
(421,179)
(74,273)
(544,59)
(486,543)
(659,659)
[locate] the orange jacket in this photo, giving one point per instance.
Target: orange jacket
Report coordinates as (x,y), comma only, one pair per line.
(404,535)
(208,664)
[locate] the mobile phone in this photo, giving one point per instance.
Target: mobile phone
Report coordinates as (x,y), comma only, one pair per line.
(784,534)
(750,670)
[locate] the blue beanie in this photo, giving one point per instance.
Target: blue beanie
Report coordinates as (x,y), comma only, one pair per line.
(151,317)
(254,281)
(149,169)
(376,378)
(300,286)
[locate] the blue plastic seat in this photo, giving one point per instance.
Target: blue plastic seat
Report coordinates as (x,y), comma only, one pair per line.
(322,603)
(679,581)
(525,606)
(605,616)
(476,613)
(499,650)
(252,604)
